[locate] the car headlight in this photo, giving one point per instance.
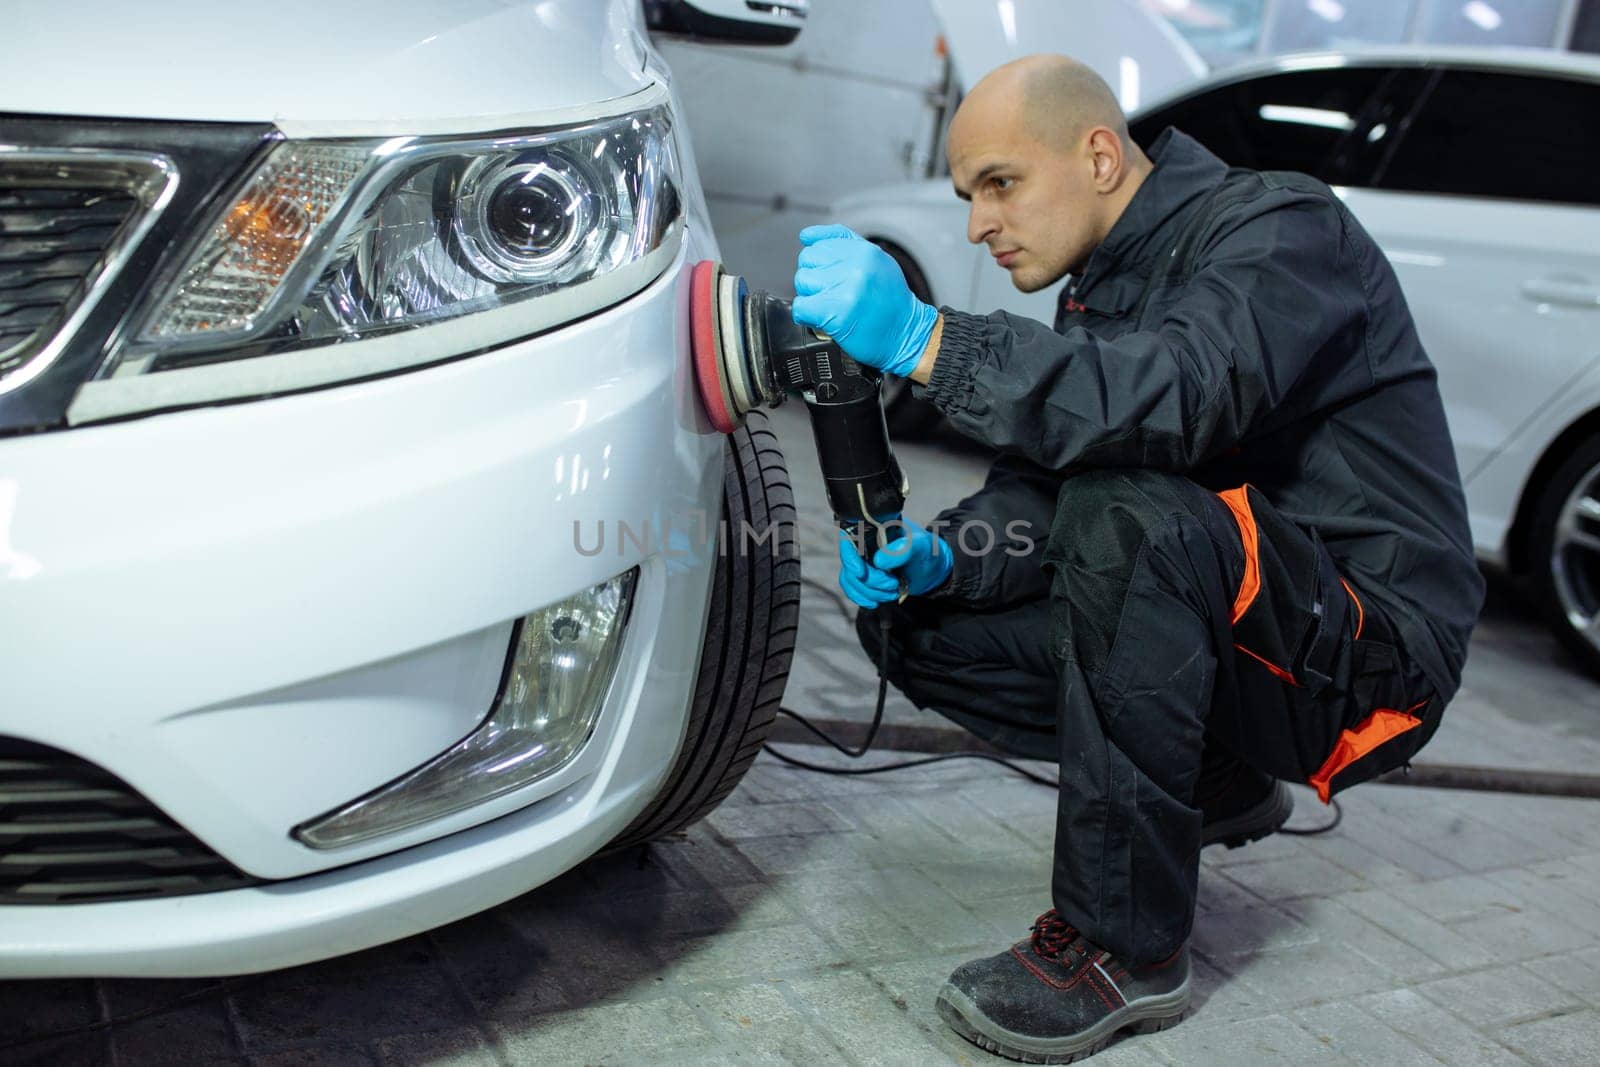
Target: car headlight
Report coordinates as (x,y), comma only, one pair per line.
(330,242)
(563,659)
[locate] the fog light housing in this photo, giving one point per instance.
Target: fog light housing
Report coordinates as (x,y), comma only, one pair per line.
(560,667)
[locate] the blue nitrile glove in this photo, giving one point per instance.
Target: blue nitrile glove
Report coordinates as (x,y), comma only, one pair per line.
(919,556)
(853,291)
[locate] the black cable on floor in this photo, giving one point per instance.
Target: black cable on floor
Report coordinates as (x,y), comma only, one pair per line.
(911,763)
(1313,831)
(877,719)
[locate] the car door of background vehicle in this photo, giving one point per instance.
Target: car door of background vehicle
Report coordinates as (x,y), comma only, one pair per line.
(1488,206)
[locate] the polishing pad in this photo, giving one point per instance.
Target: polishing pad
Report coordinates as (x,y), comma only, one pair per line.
(705,343)
(730,328)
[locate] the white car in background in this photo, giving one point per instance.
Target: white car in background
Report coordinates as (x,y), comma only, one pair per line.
(1474,170)
(350,470)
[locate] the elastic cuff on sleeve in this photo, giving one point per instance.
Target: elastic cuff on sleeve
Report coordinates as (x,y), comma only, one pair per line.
(960,354)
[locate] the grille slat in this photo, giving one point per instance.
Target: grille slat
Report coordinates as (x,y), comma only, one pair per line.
(69,264)
(88,891)
(70,832)
(33,250)
(39,291)
(143,829)
(26,319)
(53,793)
(154,859)
(52,234)
(31,222)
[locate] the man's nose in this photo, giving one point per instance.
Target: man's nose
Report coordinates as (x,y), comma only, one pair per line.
(980,224)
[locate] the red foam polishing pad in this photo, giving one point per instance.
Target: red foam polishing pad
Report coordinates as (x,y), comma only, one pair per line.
(704,344)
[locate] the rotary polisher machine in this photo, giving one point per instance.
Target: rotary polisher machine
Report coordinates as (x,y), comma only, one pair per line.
(749,352)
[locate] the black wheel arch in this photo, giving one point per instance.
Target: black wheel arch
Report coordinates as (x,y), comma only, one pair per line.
(1519,539)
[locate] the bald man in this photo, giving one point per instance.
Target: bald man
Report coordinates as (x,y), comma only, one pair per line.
(1250,559)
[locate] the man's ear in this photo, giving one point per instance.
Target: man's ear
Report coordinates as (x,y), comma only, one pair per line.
(1105,149)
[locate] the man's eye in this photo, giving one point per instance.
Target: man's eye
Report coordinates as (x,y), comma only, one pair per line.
(1000,183)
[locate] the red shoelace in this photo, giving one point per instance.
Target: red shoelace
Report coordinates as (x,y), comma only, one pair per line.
(1052,934)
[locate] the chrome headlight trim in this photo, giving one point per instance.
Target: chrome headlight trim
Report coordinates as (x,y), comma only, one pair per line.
(632,234)
(323,366)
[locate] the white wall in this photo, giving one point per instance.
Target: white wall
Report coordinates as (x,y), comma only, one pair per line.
(780,133)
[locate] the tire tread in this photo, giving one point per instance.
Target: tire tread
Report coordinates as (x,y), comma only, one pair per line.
(749,642)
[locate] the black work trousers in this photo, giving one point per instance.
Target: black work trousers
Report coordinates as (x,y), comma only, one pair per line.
(1182,627)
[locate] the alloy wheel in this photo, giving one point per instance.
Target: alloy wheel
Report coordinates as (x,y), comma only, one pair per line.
(1575,557)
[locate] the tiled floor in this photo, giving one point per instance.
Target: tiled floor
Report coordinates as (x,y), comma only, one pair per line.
(811,919)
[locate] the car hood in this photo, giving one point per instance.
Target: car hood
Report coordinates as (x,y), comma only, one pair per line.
(1139,55)
(314,66)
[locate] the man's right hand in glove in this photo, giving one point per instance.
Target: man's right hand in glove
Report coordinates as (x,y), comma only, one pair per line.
(921,557)
(853,291)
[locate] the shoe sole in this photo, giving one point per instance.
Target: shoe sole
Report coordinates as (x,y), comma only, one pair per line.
(1263,820)
(1147,1015)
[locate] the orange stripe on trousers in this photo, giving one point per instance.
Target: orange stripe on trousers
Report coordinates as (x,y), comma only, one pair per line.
(1250,584)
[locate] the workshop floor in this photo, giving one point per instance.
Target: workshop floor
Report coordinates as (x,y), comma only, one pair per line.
(811,919)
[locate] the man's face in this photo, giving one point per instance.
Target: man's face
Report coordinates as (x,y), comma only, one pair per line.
(1033,204)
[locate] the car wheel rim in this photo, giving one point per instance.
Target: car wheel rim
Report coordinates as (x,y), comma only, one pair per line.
(1575,557)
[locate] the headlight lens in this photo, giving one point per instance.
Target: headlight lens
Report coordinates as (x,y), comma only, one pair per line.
(526,218)
(563,659)
(340,241)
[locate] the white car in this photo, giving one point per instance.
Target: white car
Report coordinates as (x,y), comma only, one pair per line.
(1475,172)
(358,553)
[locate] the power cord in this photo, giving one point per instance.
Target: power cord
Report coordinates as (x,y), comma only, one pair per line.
(877,719)
(1313,831)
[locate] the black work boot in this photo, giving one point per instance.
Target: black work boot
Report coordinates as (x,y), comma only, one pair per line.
(1057,997)
(1239,804)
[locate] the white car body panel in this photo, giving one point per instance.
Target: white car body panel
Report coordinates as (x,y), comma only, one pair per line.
(319,69)
(351,549)
(352,908)
(316,592)
(1479,276)
(386,516)
(1498,487)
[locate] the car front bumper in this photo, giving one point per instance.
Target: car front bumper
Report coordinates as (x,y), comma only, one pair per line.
(255,613)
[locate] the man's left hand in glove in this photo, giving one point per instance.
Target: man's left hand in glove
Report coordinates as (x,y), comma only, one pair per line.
(921,557)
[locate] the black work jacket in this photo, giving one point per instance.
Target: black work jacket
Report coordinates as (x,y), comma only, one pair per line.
(1279,353)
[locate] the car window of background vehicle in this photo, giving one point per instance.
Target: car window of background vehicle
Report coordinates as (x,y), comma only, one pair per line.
(1295,121)
(1502,135)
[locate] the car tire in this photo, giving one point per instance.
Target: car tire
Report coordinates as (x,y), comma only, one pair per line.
(751,624)
(906,416)
(1566,570)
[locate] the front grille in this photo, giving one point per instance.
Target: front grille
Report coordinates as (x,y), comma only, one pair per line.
(71,832)
(50,239)
(64,216)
